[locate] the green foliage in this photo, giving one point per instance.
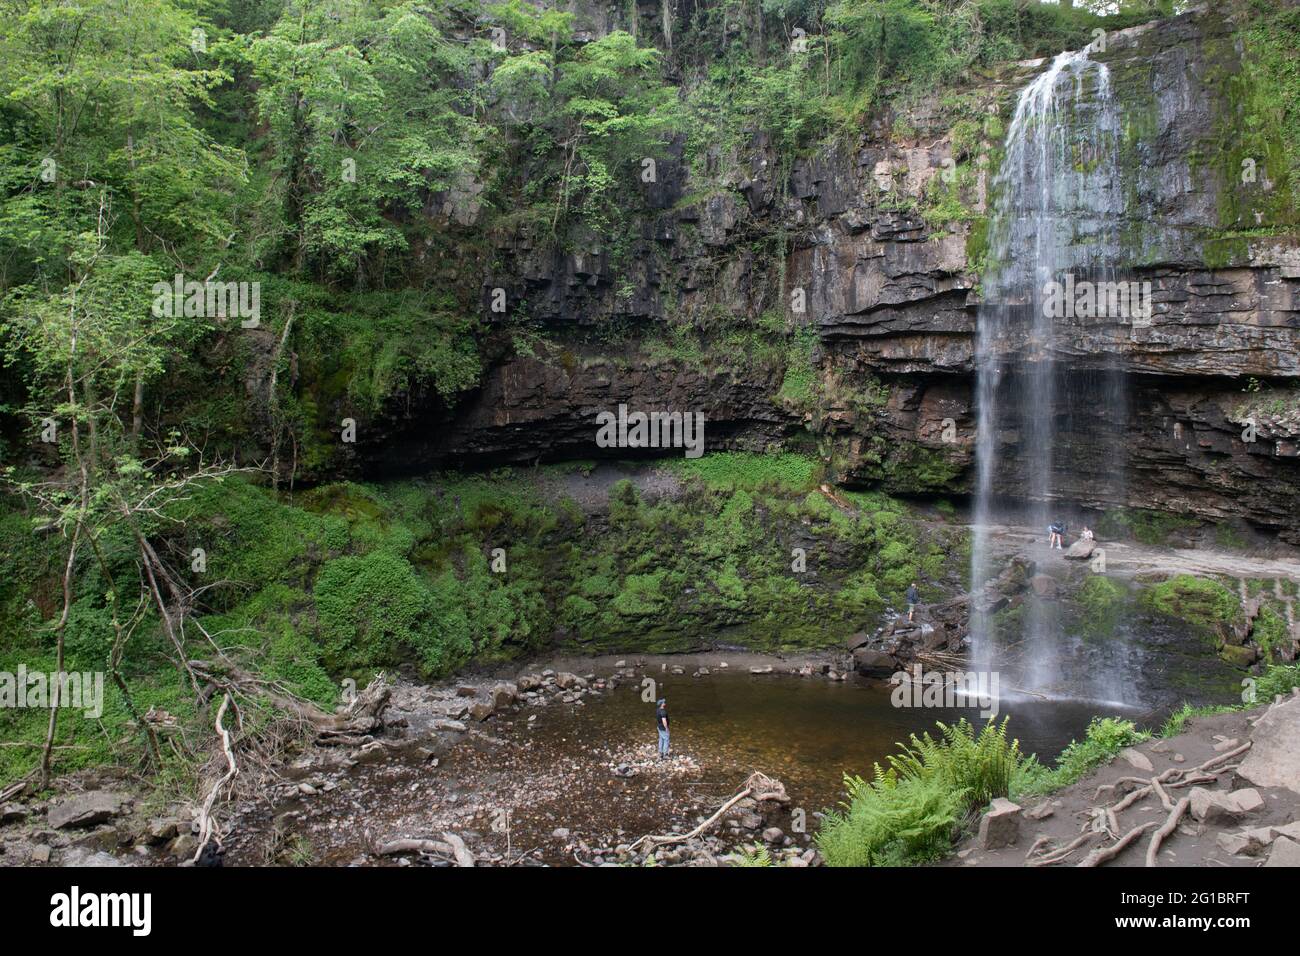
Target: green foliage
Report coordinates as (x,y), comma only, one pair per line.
(909,813)
(1267,128)
(1104,738)
(751,856)
(369,607)
(1176,722)
(1206,604)
(1145,526)
(731,470)
(365,108)
(1277,679)
(1101,602)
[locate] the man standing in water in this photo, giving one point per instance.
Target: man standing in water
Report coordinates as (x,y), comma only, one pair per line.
(661,724)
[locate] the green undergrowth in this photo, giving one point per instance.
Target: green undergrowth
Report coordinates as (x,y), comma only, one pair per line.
(434,575)
(912,808)
(1276,679)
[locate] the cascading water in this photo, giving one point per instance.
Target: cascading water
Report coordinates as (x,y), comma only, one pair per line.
(1041,406)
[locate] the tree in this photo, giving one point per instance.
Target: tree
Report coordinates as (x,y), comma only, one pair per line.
(367,109)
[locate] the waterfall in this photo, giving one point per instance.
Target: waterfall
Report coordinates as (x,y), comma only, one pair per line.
(1056,214)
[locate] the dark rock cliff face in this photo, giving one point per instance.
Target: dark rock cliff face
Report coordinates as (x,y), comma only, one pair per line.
(889,297)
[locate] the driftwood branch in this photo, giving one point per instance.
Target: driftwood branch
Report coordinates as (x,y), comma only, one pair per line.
(453,850)
(207,829)
(759,786)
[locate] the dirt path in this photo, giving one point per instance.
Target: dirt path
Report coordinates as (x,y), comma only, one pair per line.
(1248,823)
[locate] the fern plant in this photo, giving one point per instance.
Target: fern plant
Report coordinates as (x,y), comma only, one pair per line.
(908,812)
(982,767)
(752,856)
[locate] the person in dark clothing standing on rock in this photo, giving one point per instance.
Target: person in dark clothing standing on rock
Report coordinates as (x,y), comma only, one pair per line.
(661,724)
(913,598)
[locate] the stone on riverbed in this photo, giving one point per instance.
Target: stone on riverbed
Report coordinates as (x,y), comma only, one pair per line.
(503,695)
(857,640)
(86,809)
(872,662)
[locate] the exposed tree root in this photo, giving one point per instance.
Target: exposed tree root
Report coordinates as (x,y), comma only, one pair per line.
(1158,785)
(1176,814)
(1064,852)
(1102,854)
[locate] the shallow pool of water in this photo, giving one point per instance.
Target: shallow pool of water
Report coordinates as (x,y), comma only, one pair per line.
(807,732)
(558,771)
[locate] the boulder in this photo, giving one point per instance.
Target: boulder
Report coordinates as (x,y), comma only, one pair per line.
(873,662)
(1136,759)
(1214,806)
(1042,811)
(1284,853)
(80,856)
(1000,826)
(86,809)
(773,835)
(481,709)
(1274,759)
(1254,840)
(1248,800)
(1239,656)
(183,846)
(1081,550)
(857,640)
(1043,585)
(504,695)
(528,682)
(160,831)
(567,681)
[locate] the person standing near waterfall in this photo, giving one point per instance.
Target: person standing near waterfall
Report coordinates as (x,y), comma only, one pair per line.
(661,724)
(913,598)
